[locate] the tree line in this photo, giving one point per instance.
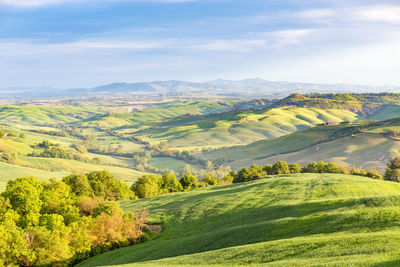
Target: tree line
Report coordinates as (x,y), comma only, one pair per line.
(64,222)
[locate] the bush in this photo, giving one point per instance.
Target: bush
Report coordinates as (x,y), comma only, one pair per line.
(210,179)
(2,134)
(188,182)
(295,168)
(22,135)
(281,167)
(169,183)
(105,185)
(147,186)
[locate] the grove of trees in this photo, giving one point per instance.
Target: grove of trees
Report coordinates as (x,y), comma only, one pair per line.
(64,222)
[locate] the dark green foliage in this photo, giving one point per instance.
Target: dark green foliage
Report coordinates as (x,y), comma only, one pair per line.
(295,168)
(22,135)
(169,183)
(281,167)
(11,134)
(392,172)
(189,181)
(210,179)
(248,174)
(79,185)
(46,149)
(8,157)
(268,169)
(147,186)
(105,185)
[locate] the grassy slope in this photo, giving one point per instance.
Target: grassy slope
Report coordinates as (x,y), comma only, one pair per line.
(10,172)
(371,149)
(234,128)
(21,116)
(45,168)
(297,220)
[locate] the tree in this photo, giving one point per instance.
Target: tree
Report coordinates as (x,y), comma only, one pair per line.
(281,167)
(189,181)
(210,179)
(392,172)
(394,163)
(105,185)
(79,184)
(55,196)
(22,135)
(24,196)
(2,134)
(169,183)
(295,168)
(147,186)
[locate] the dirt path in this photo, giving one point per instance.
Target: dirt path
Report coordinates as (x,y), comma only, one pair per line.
(153,228)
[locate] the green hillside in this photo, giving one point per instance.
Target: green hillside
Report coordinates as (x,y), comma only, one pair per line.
(292,220)
(238,127)
(361,145)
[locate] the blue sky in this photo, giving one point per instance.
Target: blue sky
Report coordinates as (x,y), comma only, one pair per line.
(84,43)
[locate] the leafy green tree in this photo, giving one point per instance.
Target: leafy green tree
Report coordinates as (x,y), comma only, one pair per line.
(79,184)
(268,169)
(295,168)
(22,135)
(169,183)
(281,167)
(333,168)
(210,179)
(147,186)
(105,185)
(47,246)
(55,196)
(392,172)
(24,196)
(394,163)
(189,181)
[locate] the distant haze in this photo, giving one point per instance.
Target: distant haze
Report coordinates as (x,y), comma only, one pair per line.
(255,88)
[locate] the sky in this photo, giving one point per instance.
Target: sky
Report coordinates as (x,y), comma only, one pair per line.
(85,43)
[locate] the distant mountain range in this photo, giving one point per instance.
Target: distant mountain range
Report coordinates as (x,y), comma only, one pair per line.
(223,88)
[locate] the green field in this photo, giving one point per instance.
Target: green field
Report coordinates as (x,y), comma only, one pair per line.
(292,220)
(339,144)
(235,128)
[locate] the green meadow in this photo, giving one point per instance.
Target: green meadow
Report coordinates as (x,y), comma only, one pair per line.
(288,220)
(346,145)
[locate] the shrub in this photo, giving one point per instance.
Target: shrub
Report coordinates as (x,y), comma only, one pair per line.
(210,179)
(188,181)
(22,135)
(147,186)
(169,183)
(2,134)
(295,168)
(79,185)
(281,167)
(105,185)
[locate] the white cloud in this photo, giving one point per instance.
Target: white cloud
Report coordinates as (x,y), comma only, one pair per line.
(36,3)
(236,46)
(380,13)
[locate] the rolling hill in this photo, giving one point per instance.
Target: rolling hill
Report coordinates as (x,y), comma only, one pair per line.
(360,145)
(289,220)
